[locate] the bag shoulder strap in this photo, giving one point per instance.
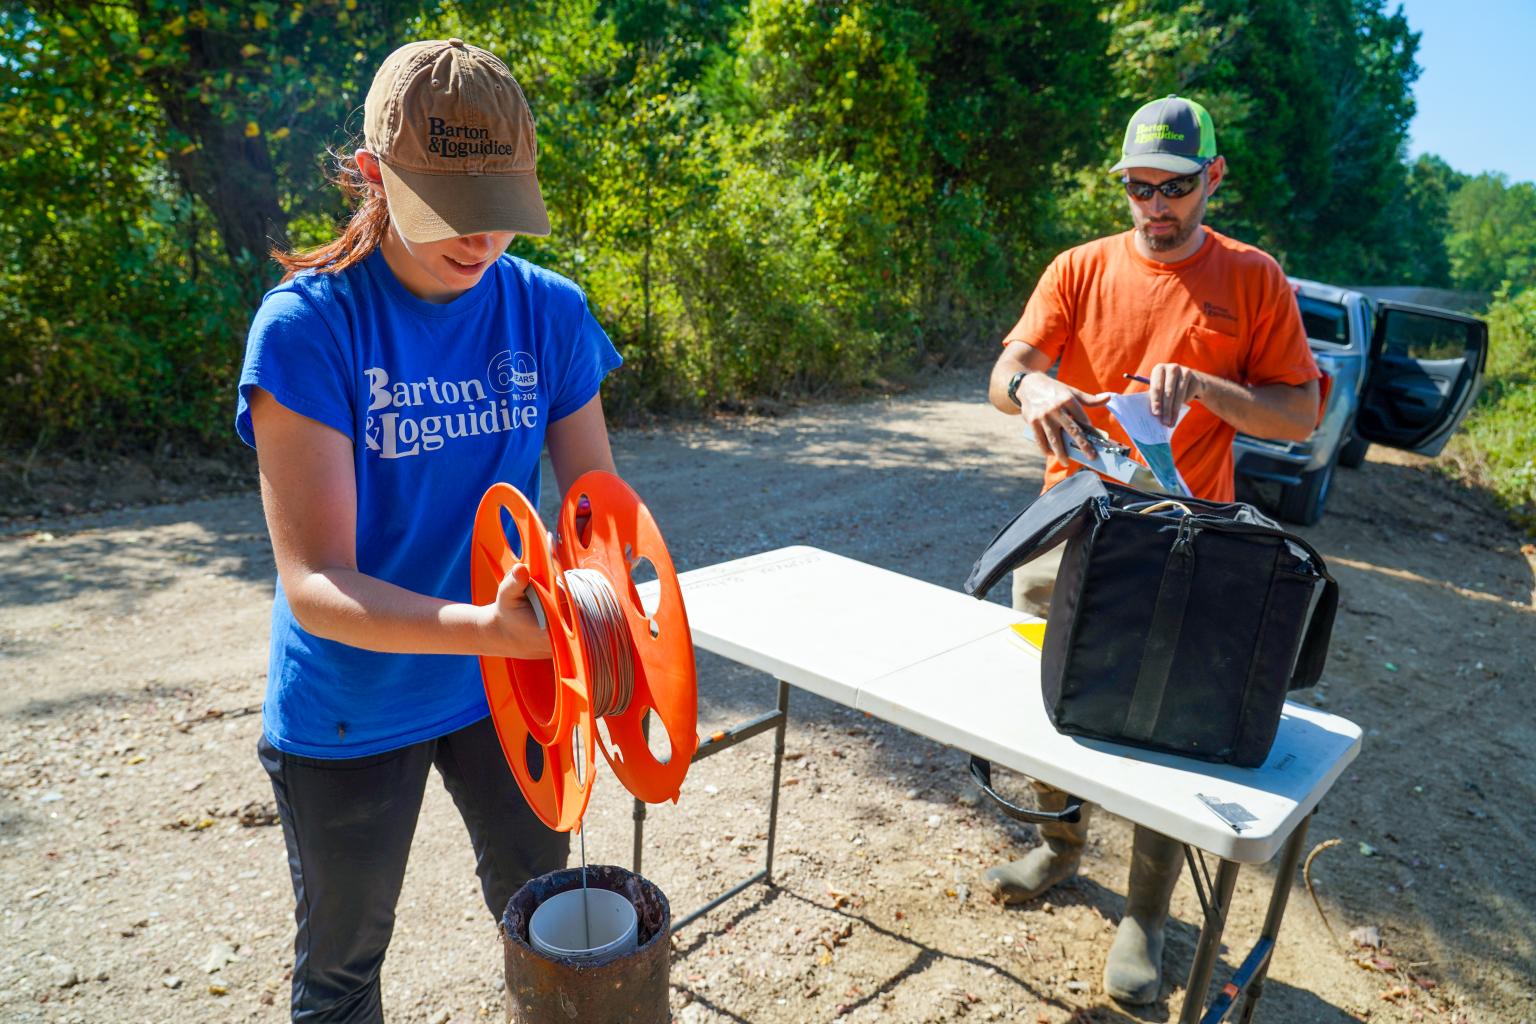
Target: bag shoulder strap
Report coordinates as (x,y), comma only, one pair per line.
(981,772)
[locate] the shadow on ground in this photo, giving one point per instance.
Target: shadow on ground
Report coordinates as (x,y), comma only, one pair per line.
(1432,652)
(1278,1001)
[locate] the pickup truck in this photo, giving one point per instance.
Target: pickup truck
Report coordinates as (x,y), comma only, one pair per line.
(1396,374)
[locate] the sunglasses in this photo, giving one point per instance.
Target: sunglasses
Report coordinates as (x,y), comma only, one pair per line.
(1174,188)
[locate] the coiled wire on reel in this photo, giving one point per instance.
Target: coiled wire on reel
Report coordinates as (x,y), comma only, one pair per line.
(604,641)
(611,659)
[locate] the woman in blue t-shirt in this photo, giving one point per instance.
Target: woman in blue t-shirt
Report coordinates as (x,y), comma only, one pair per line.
(392,377)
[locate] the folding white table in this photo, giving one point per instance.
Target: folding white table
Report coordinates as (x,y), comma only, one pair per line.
(950,668)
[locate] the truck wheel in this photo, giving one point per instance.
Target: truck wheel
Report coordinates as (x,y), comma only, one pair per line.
(1303,501)
(1353,452)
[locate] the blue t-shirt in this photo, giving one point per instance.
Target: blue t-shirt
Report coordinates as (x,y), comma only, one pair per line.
(440,401)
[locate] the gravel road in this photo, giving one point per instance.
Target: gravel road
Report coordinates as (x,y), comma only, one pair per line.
(143,880)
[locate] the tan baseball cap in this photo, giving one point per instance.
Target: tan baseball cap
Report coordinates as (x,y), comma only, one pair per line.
(456,140)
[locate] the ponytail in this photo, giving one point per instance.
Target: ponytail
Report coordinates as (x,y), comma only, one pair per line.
(363,233)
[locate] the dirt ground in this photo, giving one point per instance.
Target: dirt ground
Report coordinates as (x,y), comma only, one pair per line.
(143,880)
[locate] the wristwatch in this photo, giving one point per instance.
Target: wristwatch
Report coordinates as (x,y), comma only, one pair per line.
(1013,387)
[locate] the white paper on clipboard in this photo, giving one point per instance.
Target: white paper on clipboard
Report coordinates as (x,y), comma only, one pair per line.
(1152,439)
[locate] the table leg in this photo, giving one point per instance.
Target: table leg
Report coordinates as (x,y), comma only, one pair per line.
(777,720)
(639,833)
(639,814)
(1248,980)
(778,769)
(1285,877)
(1209,943)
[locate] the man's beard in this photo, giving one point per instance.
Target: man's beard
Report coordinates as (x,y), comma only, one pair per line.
(1164,243)
(1182,233)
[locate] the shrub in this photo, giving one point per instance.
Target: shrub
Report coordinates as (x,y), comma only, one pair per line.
(1496,446)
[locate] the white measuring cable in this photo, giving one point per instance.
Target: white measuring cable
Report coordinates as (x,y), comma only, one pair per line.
(609,657)
(604,640)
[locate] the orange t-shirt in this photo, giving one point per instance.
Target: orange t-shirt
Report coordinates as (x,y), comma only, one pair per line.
(1105,310)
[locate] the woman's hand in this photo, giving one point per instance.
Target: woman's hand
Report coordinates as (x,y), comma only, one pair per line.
(513,628)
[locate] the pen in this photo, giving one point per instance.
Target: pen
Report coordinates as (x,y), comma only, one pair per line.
(1132,376)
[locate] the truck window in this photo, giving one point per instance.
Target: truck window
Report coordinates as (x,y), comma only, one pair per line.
(1324,321)
(1425,337)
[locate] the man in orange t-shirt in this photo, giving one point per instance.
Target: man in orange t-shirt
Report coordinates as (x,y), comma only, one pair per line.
(1208,321)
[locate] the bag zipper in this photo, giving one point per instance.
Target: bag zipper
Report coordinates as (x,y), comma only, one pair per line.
(1184,543)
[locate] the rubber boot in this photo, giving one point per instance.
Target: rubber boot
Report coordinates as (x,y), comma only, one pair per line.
(1133,974)
(1054,860)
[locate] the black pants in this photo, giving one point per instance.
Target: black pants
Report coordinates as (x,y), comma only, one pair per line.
(348,826)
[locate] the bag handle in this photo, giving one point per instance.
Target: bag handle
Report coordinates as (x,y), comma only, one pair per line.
(1314,647)
(1165,504)
(981,772)
(1162,637)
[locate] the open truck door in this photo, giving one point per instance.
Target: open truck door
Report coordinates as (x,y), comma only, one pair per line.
(1425,368)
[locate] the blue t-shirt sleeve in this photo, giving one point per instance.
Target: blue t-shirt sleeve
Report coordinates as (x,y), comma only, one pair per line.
(589,357)
(295,356)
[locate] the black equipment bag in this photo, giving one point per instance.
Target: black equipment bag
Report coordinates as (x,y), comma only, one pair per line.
(1176,624)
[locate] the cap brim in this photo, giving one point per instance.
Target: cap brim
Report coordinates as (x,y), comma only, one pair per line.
(436,207)
(1162,162)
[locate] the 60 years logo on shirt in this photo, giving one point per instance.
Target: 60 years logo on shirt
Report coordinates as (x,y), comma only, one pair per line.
(437,411)
(511,370)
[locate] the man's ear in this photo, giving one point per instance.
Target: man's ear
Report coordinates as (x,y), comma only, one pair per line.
(1214,172)
(368,165)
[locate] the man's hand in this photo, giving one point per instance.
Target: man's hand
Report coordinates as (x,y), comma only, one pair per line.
(1282,412)
(1050,407)
(1173,386)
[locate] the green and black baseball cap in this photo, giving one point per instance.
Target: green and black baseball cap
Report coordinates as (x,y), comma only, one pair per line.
(1170,134)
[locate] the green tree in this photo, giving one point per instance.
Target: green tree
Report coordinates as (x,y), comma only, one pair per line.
(622,162)
(1497,446)
(1364,60)
(111,327)
(1015,95)
(792,278)
(759,196)
(245,94)
(1427,211)
(1493,234)
(1311,99)
(150,151)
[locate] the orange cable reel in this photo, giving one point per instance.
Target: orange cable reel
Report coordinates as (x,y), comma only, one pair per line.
(606,530)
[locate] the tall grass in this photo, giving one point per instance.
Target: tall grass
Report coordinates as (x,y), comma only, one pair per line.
(1496,447)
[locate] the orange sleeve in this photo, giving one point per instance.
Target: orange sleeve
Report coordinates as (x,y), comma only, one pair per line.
(1047,321)
(1278,352)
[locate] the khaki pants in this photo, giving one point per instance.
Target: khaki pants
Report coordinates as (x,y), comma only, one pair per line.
(1033,583)
(1032,587)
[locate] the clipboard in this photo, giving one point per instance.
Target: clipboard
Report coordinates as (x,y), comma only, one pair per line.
(1108,457)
